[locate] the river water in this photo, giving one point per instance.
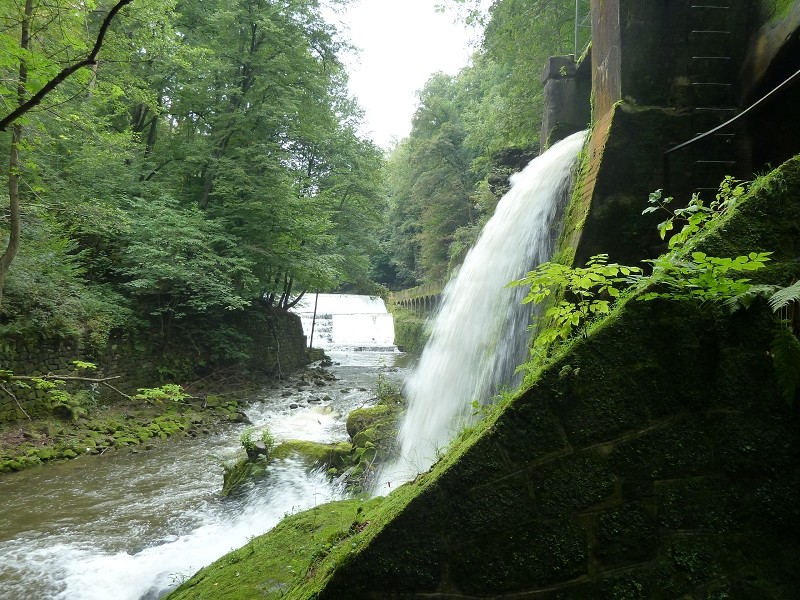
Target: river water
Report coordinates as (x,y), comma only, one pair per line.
(128,526)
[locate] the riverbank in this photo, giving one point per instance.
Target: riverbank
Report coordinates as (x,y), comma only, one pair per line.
(129,524)
(128,425)
(125,426)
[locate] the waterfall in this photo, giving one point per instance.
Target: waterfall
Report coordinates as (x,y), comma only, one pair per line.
(479,334)
(346,321)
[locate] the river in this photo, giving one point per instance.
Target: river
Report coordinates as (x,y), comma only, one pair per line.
(132,526)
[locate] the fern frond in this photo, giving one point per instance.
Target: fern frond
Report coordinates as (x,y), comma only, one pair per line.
(786,361)
(784,296)
(745,299)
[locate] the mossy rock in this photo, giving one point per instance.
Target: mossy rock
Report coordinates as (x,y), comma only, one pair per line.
(244,470)
(362,438)
(381,418)
(316,455)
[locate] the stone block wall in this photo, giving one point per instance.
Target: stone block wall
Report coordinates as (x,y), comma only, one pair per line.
(134,366)
(277,347)
(654,461)
(657,459)
(278,344)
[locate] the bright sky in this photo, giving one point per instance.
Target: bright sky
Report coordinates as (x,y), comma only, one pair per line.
(402,43)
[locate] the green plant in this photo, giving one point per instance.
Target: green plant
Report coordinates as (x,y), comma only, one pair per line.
(583,292)
(250,442)
(696,214)
(169,391)
(704,278)
(246,439)
(386,390)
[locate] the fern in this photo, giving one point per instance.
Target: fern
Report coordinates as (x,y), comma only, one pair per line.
(746,298)
(785,296)
(786,361)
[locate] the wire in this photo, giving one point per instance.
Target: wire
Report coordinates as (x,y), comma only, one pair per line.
(735,118)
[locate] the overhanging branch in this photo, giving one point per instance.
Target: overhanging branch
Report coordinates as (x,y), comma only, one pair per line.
(91,59)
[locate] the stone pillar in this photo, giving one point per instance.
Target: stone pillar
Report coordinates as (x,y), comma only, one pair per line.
(566,100)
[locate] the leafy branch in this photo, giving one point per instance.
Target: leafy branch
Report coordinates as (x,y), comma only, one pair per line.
(91,59)
(587,293)
(53,384)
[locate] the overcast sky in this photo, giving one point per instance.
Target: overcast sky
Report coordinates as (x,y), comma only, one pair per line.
(402,43)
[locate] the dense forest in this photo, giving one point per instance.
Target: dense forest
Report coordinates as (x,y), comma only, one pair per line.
(210,158)
(438,178)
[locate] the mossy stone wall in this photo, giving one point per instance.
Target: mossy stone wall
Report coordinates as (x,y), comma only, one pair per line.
(133,362)
(277,346)
(656,459)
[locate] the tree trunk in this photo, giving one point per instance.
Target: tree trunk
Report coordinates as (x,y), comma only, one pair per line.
(13,163)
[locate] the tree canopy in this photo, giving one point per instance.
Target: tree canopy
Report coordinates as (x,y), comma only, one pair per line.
(207,158)
(438,177)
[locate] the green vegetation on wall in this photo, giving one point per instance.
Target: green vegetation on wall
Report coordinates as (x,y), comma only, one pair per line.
(654,458)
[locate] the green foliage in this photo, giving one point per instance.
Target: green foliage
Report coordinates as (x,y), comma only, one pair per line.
(386,390)
(696,214)
(585,293)
(170,392)
(209,161)
(581,295)
(430,185)
(698,276)
(440,187)
(785,296)
(703,278)
(181,263)
(249,437)
(82,364)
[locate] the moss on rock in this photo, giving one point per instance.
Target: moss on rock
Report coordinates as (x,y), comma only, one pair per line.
(316,455)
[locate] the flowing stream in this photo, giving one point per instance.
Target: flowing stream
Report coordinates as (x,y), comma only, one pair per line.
(479,333)
(128,526)
(132,526)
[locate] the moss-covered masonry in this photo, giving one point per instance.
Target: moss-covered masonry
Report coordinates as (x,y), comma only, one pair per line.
(653,459)
(277,347)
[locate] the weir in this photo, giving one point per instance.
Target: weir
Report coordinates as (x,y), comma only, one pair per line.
(346,321)
(479,334)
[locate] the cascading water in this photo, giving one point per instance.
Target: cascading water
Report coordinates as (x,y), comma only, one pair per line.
(131,526)
(478,336)
(342,322)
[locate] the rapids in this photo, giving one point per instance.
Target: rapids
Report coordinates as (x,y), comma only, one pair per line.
(132,526)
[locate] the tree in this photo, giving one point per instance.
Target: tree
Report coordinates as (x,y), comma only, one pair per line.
(25,54)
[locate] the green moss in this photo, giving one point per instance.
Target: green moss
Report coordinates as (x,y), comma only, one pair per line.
(242,471)
(314,454)
(674,448)
(626,535)
(528,555)
(572,483)
(774,10)
(411,330)
(270,565)
(375,417)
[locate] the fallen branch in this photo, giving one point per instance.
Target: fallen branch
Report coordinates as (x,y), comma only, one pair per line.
(16,400)
(50,377)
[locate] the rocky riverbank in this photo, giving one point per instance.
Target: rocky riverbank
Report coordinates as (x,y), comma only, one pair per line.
(130,427)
